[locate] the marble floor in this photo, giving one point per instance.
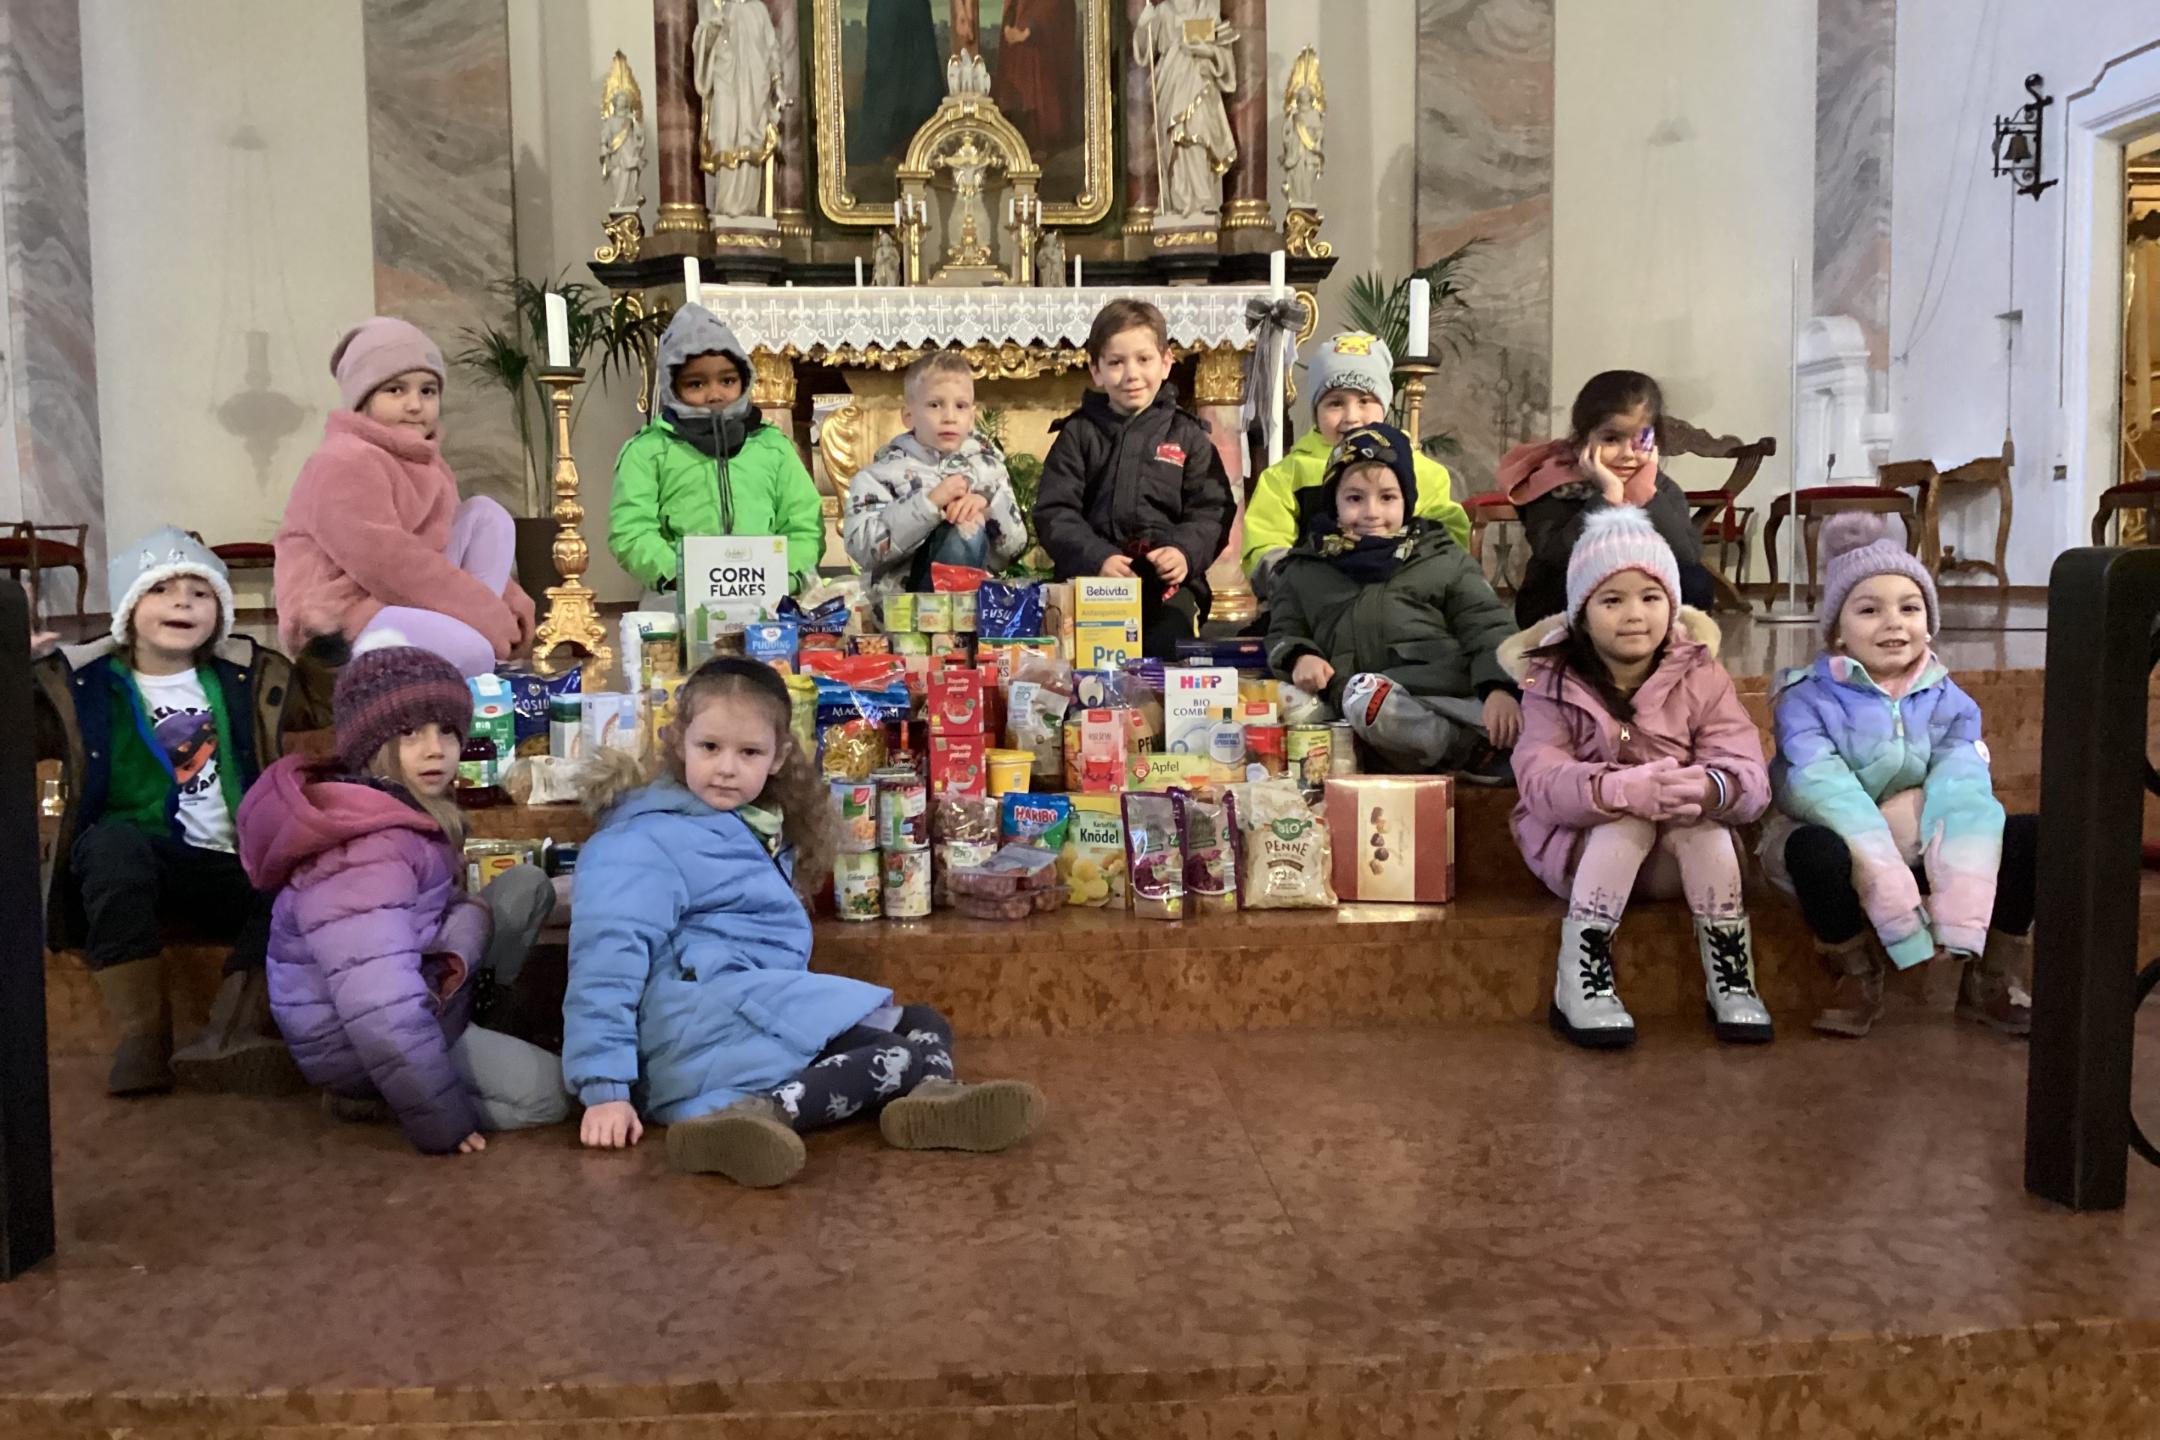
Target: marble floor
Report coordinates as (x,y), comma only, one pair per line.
(1465,1230)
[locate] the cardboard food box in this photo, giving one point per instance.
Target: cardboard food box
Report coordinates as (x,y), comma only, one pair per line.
(735,579)
(1106,622)
(1196,699)
(960,764)
(956,701)
(1394,837)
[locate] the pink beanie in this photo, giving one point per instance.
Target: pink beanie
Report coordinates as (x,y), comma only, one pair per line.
(1856,546)
(1616,538)
(378,350)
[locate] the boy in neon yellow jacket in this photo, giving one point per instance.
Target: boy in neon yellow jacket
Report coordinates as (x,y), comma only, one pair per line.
(708,464)
(1352,385)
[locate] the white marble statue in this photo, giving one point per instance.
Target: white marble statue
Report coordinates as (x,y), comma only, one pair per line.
(1304,132)
(1186,48)
(735,62)
(1050,259)
(622,138)
(885,260)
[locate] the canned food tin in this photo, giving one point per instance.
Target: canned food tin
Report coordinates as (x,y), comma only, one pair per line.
(903,815)
(907,884)
(856,802)
(1266,745)
(859,885)
(1307,750)
(1342,749)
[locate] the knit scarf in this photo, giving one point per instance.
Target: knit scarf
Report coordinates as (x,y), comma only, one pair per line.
(715,434)
(1372,559)
(1528,472)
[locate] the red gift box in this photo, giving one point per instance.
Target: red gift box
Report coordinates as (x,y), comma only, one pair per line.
(956,701)
(1393,837)
(960,764)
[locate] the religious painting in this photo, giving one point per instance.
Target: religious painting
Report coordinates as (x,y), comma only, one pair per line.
(882,71)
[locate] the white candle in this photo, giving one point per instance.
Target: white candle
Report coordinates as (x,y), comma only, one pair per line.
(1010,211)
(858,272)
(1278,270)
(1077,280)
(1420,339)
(693,288)
(897,217)
(558,331)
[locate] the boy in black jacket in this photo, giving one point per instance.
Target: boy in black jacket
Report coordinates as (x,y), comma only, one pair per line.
(1133,485)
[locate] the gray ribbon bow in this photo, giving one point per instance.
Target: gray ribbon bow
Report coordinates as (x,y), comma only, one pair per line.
(1274,325)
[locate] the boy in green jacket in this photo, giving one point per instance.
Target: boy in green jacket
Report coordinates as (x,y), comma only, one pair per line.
(1353,384)
(708,464)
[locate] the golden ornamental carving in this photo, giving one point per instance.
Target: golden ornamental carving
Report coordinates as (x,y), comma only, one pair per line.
(774,387)
(745,239)
(681,215)
(1186,239)
(1247,215)
(1219,377)
(1301,236)
(573,611)
(841,440)
(1009,361)
(625,234)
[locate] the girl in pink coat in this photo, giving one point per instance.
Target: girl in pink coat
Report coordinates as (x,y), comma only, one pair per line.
(375,538)
(1636,760)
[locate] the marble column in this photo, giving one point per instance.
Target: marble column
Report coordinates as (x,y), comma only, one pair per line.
(790,205)
(439,167)
(1485,168)
(1245,191)
(1138,118)
(681,226)
(48,354)
(1856,61)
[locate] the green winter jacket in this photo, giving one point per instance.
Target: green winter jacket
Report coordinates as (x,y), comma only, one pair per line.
(1435,627)
(666,487)
(1276,515)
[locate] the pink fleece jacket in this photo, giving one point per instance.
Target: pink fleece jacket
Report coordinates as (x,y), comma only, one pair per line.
(1687,710)
(367,525)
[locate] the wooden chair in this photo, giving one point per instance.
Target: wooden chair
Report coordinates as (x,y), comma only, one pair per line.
(246,554)
(1820,503)
(2142,496)
(1717,513)
(23,553)
(1490,508)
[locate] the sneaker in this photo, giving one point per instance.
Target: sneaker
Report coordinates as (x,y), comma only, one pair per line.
(951,1115)
(750,1143)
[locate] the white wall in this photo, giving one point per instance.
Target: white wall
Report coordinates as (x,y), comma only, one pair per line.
(1960,64)
(228,166)
(1683,196)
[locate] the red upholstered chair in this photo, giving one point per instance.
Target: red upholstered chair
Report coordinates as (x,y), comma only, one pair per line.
(24,551)
(1820,503)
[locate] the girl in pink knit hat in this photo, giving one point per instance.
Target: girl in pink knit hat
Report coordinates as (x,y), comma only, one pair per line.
(375,537)
(1635,764)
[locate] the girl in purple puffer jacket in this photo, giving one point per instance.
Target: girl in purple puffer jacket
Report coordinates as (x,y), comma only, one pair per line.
(374,944)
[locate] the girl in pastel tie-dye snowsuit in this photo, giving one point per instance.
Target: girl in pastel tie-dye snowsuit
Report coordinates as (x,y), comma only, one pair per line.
(1886,818)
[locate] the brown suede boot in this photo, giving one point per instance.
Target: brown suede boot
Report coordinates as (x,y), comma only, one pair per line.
(1992,990)
(952,1115)
(750,1142)
(239,1049)
(140,1009)
(1857,1002)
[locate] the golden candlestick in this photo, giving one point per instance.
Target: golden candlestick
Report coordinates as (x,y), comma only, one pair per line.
(573,612)
(1414,374)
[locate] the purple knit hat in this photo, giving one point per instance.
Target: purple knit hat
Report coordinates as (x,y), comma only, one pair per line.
(1856,547)
(383,693)
(1617,538)
(378,350)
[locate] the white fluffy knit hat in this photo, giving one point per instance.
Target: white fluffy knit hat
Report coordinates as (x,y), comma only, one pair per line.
(163,554)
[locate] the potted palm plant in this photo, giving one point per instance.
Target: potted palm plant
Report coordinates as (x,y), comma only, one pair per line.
(1381,305)
(608,336)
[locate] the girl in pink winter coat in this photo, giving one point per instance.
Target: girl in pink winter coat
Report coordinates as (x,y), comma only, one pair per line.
(1636,760)
(375,538)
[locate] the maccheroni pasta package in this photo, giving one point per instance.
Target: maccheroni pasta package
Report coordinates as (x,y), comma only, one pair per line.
(1154,857)
(1204,835)
(1285,853)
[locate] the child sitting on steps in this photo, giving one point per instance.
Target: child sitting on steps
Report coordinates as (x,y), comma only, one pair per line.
(1386,616)
(1888,829)
(691,999)
(1636,762)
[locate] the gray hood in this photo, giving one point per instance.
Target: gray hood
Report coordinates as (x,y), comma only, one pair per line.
(697,331)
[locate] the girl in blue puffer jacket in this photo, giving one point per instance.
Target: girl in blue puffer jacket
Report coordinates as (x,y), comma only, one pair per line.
(691,998)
